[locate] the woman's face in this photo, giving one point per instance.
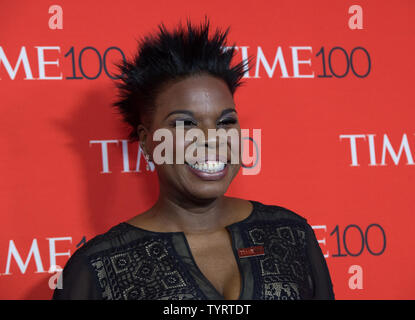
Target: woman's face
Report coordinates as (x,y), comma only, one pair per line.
(202,102)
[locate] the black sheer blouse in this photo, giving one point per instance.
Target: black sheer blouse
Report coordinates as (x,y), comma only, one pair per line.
(284,261)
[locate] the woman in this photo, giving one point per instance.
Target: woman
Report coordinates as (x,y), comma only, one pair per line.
(195,242)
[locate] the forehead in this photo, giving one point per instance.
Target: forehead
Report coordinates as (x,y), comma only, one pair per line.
(200,94)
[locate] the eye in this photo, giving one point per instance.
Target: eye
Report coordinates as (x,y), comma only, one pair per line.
(228,121)
(186,122)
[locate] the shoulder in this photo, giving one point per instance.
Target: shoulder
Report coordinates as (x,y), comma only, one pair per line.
(273,212)
(79,274)
(115,238)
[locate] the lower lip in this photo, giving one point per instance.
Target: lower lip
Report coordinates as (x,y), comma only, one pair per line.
(209,176)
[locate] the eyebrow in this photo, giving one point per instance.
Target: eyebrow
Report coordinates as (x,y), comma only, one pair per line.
(225,111)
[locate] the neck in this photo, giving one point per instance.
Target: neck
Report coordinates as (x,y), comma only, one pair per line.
(192,215)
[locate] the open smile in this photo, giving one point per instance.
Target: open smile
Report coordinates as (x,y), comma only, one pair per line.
(209,170)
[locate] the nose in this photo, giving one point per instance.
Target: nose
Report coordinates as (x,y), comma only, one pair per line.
(209,138)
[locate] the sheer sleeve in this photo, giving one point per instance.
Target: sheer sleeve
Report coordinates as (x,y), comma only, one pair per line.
(78,280)
(323,287)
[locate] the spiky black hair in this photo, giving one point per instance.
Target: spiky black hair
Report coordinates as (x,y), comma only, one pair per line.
(169,56)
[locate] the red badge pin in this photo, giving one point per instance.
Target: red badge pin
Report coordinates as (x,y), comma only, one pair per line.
(251,251)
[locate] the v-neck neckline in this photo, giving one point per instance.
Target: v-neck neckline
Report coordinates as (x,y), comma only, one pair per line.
(204,277)
(190,254)
(229,228)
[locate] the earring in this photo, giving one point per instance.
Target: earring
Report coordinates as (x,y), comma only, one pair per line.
(147,160)
(149,164)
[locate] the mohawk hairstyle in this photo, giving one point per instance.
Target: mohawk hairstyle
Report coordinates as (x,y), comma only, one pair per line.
(170,56)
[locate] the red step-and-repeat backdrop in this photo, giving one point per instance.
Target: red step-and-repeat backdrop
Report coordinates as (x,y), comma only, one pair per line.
(330,89)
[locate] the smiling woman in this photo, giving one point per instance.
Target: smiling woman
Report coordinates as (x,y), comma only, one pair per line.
(194,242)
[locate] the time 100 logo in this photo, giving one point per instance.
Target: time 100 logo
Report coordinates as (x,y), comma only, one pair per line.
(328,62)
(352,240)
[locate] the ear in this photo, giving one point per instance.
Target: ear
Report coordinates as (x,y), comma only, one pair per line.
(142,133)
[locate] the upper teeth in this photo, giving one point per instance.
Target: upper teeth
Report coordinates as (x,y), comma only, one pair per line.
(209,166)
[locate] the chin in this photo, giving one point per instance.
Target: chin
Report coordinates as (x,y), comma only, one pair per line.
(205,185)
(207,191)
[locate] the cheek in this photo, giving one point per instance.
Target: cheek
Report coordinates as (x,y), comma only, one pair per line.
(180,147)
(177,149)
(234,149)
(234,168)
(167,148)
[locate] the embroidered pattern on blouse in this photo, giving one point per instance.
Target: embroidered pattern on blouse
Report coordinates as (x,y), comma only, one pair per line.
(148,269)
(284,270)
